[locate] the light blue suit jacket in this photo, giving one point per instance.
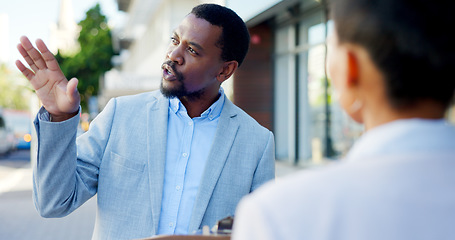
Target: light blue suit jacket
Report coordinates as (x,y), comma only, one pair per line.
(122,157)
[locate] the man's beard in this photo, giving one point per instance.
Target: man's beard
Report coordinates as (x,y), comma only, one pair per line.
(180,90)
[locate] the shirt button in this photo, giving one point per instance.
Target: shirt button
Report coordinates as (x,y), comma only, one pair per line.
(190,123)
(177,187)
(185,155)
(171,224)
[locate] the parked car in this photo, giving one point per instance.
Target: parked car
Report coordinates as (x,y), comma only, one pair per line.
(21,123)
(7,140)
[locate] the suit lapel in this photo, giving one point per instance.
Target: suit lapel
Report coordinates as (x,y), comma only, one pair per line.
(224,138)
(156,150)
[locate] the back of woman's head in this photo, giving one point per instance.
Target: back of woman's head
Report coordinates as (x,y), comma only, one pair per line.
(410,41)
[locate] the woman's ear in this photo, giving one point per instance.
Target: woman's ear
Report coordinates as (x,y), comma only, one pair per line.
(352,69)
(227,71)
(353,102)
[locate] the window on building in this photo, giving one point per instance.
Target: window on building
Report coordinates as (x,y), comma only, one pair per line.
(309,125)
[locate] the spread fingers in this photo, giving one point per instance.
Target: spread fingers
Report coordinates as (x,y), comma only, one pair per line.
(48,57)
(31,55)
(27,58)
(25,71)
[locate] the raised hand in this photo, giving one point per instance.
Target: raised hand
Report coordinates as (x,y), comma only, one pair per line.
(58,95)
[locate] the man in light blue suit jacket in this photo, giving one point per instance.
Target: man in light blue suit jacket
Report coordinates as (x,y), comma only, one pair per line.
(126,156)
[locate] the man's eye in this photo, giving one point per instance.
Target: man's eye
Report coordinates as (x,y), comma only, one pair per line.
(174,41)
(191,50)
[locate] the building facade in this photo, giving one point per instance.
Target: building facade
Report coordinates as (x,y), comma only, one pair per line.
(64,33)
(283,84)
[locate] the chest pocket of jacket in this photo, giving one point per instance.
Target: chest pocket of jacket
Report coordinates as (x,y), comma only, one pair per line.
(123,174)
(128,164)
(122,181)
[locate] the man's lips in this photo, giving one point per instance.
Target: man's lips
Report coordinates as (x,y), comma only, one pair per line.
(168,73)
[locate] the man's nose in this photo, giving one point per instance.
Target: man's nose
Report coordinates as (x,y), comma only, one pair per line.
(175,55)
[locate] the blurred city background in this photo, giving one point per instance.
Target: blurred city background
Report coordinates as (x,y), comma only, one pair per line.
(116,47)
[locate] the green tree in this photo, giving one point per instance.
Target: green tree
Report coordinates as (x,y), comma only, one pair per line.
(13,94)
(94,57)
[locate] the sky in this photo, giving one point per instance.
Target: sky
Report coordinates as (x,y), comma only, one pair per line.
(33,18)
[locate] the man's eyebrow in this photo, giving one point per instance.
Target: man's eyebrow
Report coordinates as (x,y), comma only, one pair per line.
(199,47)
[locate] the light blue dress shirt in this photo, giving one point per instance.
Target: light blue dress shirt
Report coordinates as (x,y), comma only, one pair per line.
(188,146)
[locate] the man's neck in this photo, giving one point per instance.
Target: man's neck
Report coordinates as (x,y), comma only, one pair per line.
(195,107)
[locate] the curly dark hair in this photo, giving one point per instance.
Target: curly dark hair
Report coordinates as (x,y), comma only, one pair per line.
(235,39)
(410,41)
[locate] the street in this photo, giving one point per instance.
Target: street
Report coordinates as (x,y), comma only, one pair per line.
(18,217)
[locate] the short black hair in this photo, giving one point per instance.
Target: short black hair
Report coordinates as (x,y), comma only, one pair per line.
(410,41)
(235,39)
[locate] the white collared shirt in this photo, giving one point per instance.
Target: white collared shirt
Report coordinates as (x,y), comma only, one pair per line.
(398,182)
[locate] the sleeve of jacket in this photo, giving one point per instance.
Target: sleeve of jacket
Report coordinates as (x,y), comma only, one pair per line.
(265,170)
(62,181)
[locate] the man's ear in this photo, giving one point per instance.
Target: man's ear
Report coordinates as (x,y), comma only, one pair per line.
(227,71)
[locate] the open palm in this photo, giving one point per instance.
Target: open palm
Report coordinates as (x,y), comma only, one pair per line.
(58,95)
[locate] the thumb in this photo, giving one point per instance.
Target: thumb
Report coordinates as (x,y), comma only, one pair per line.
(71,90)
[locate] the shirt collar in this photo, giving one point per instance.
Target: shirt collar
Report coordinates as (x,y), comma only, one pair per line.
(394,137)
(212,112)
(174,104)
